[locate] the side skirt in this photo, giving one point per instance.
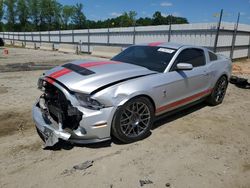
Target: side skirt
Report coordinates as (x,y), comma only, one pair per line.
(182,108)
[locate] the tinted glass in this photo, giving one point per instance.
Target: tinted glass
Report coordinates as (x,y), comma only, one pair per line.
(212,56)
(153,58)
(193,56)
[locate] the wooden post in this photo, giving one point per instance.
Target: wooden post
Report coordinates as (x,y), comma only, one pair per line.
(218,31)
(170,28)
(234,36)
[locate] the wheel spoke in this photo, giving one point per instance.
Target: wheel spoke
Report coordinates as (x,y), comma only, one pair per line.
(144,110)
(217,98)
(125,124)
(130,130)
(125,119)
(125,113)
(129,110)
(140,108)
(127,128)
(137,107)
(142,128)
(145,124)
(147,114)
(143,119)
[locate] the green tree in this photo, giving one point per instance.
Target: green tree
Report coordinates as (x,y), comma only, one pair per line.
(50,17)
(35,11)
(158,19)
(179,20)
(67,14)
(78,17)
(126,19)
(22,13)
(144,21)
(57,19)
(10,14)
(132,17)
(35,15)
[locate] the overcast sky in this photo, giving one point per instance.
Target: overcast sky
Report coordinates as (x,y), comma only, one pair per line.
(194,10)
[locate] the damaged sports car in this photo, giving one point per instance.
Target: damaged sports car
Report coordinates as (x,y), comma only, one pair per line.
(88,102)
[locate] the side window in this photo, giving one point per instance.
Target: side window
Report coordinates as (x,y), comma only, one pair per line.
(212,56)
(193,56)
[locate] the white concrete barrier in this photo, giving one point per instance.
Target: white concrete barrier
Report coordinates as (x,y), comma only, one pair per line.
(30,45)
(8,42)
(47,46)
(201,34)
(106,51)
(68,48)
(18,43)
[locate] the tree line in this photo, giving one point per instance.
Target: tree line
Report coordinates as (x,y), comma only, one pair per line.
(44,15)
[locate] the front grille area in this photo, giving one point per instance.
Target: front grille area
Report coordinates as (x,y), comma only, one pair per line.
(59,108)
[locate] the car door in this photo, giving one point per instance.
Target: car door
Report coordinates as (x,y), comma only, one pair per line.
(186,86)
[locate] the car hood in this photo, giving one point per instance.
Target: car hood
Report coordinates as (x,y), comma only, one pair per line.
(88,76)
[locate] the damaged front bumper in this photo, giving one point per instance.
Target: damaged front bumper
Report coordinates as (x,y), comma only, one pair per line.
(95,126)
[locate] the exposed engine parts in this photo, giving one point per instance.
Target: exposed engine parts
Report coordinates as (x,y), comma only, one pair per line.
(59,108)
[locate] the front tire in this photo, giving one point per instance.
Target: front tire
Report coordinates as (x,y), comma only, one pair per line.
(218,92)
(133,120)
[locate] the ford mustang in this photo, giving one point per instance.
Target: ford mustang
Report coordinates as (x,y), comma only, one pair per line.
(90,101)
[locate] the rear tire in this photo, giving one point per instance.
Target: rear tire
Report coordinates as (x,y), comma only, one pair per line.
(218,92)
(132,121)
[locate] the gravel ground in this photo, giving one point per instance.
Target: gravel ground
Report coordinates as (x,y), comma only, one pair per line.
(200,147)
(22,56)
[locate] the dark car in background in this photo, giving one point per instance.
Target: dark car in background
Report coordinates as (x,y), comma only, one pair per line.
(1,42)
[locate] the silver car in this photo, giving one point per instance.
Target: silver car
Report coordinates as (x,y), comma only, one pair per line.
(87,102)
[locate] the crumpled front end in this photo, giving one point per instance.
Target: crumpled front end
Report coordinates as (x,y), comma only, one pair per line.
(71,108)
(59,115)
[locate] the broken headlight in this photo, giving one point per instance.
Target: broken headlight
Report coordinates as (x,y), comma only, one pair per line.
(87,102)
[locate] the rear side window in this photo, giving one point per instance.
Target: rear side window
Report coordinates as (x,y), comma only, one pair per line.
(193,56)
(212,56)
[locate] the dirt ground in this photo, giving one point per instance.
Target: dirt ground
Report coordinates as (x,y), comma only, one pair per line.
(200,147)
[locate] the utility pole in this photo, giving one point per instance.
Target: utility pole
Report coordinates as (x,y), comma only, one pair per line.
(73,36)
(218,31)
(134,31)
(170,28)
(234,36)
(108,34)
(88,38)
(60,36)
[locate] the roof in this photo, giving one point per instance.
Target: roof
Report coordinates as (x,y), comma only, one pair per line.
(164,44)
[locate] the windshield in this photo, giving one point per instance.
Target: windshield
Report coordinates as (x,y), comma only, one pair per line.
(153,58)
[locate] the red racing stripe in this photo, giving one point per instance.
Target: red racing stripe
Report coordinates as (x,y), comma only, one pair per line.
(50,80)
(182,101)
(64,71)
(155,43)
(60,73)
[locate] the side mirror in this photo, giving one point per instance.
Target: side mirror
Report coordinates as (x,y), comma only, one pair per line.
(184,66)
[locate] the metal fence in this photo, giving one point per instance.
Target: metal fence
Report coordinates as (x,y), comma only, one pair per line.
(232,41)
